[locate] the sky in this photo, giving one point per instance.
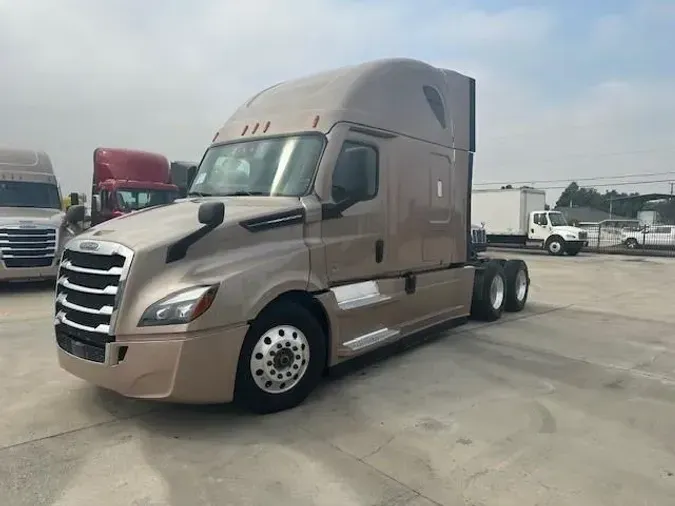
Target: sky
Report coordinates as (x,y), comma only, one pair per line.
(565,90)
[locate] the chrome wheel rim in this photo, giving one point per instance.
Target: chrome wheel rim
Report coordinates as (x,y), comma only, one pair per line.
(521,285)
(497,292)
(555,247)
(279,359)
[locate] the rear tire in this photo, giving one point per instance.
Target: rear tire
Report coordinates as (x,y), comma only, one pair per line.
(489,293)
(281,361)
(517,285)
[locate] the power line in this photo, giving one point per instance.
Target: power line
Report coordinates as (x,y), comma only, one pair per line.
(577,179)
(549,127)
(556,159)
(602,185)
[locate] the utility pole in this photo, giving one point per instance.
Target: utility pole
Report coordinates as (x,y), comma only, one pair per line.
(671,188)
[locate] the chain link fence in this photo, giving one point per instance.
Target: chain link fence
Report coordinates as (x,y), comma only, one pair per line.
(630,237)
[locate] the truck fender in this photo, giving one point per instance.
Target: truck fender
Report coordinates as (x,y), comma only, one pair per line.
(264,298)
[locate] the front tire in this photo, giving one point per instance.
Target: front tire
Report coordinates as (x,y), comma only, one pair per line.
(281,361)
(555,246)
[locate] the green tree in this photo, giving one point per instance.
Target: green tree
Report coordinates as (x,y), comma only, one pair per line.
(577,196)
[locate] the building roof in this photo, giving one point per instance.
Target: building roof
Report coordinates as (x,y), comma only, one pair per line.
(588,214)
(646,197)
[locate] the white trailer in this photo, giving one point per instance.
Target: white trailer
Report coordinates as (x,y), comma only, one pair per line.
(518,216)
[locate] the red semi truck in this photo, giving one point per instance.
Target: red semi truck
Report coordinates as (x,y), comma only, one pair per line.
(126,180)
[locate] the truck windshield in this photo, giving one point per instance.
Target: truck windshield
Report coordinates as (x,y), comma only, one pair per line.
(282,166)
(29,194)
(132,199)
(557,219)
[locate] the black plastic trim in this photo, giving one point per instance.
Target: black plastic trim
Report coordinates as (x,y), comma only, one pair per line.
(275,220)
(178,250)
(410,284)
(472,115)
(469,239)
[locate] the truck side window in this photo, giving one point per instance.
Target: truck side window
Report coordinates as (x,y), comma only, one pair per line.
(436,103)
(540,219)
(356,173)
(105,199)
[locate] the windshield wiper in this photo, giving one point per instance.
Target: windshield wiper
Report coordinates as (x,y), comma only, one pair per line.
(200,194)
(243,193)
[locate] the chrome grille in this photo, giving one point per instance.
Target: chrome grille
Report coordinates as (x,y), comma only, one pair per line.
(478,236)
(583,235)
(28,247)
(88,290)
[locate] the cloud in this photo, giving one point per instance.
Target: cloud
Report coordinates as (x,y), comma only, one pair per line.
(165,74)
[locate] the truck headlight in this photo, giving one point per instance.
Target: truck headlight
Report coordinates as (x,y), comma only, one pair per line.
(179,307)
(570,236)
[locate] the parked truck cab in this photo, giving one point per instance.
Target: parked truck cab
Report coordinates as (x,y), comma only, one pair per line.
(127,180)
(550,229)
(32,224)
(329,217)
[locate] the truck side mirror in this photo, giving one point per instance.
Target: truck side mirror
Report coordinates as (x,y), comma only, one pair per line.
(211,214)
(74,199)
(75,214)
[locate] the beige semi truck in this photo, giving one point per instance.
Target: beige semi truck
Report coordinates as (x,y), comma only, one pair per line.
(329,217)
(33,228)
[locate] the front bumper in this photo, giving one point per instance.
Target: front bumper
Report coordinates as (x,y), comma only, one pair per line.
(28,273)
(198,368)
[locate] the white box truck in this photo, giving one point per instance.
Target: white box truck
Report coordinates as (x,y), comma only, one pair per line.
(518,216)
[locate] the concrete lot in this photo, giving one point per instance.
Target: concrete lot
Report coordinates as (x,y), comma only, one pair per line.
(571,402)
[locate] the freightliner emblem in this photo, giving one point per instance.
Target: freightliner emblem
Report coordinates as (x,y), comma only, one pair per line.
(89,246)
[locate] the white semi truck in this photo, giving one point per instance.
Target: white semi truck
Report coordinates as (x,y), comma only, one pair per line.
(33,229)
(518,216)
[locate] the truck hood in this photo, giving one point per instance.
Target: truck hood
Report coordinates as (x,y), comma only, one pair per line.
(31,215)
(567,229)
(155,226)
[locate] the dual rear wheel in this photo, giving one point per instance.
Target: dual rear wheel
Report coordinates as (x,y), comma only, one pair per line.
(500,287)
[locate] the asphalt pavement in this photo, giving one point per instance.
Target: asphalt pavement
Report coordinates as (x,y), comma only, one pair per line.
(571,402)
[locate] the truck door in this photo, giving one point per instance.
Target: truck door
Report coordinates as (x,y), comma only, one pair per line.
(539,227)
(354,239)
(439,239)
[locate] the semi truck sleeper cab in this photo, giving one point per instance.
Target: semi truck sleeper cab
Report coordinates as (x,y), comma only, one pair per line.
(323,222)
(33,228)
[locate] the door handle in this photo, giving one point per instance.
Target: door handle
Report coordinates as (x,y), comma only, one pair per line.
(379,250)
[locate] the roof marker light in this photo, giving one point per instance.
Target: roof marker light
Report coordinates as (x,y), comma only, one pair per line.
(267,125)
(244,130)
(316,121)
(215,137)
(255,128)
